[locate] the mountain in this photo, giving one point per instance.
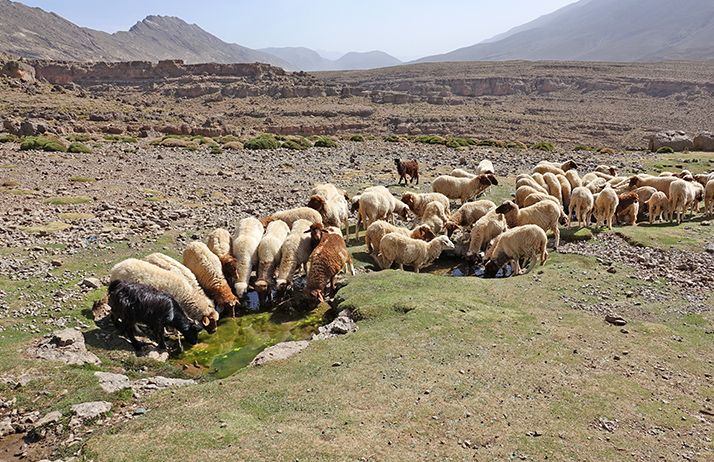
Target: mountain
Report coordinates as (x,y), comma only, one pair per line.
(306,59)
(604,30)
(36,34)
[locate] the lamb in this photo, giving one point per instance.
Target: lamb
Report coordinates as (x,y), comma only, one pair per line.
(294,253)
(546,214)
(245,251)
(403,250)
(657,205)
(208,270)
(462,188)
(377,230)
(194,303)
(292,215)
(486,228)
(332,203)
(220,242)
(435,217)
(581,202)
(269,256)
(527,243)
(470,212)
(574,179)
(605,206)
(553,184)
(418,202)
(660,183)
(328,259)
(407,168)
(485,167)
(565,190)
(628,207)
(709,198)
(134,303)
(170,264)
(377,203)
(681,196)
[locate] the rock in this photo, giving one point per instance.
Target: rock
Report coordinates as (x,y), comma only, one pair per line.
(148,384)
(111,382)
(677,140)
(100,310)
(709,248)
(31,128)
(19,70)
(91,409)
(153,352)
(615,320)
(49,418)
(6,427)
(280,351)
(67,346)
(340,326)
(704,142)
(90,283)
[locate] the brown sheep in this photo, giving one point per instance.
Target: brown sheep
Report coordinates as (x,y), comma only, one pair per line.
(627,208)
(328,259)
(407,167)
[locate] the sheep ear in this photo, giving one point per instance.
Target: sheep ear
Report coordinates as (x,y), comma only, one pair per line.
(205,321)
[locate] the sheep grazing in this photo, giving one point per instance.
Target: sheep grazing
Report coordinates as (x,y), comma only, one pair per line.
(484,230)
(524,191)
(607,169)
(245,250)
(292,215)
(628,207)
(527,181)
(403,250)
(704,178)
(470,212)
(537,197)
(605,206)
(377,203)
(485,167)
(417,202)
(194,303)
(597,185)
(657,206)
(462,188)
(377,230)
(582,202)
(408,168)
(220,242)
(565,190)
(209,271)
(461,173)
(525,244)
(134,303)
(546,214)
(574,179)
(681,196)
(660,183)
(538,178)
(332,203)
(435,217)
(269,257)
(544,167)
(553,184)
(709,198)
(328,259)
(176,267)
(294,253)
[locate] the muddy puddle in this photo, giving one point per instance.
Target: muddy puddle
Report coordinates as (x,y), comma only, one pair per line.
(478,271)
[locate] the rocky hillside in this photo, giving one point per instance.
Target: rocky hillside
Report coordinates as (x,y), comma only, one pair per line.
(306,59)
(37,34)
(605,30)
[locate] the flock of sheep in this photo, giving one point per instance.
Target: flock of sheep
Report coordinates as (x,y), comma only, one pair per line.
(216,275)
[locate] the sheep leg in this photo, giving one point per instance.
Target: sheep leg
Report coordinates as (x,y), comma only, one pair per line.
(350,266)
(556,233)
(516,267)
(401,267)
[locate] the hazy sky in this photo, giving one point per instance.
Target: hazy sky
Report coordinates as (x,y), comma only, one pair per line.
(407,29)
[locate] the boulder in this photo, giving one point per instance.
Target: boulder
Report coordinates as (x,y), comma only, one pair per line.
(6,427)
(704,142)
(677,140)
(340,326)
(90,410)
(49,418)
(111,382)
(31,128)
(91,283)
(280,351)
(19,70)
(65,345)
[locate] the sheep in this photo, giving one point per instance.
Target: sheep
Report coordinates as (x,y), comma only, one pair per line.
(195,304)
(605,206)
(485,167)
(460,173)
(377,230)
(547,168)
(565,190)
(407,167)
(220,242)
(537,197)
(418,202)
(709,198)
(553,184)
(435,217)
(470,212)
(628,207)
(527,243)
(546,214)
(328,259)
(133,303)
(176,267)
(574,179)
(606,169)
(377,203)
(565,166)
(292,215)
(597,185)
(681,195)
(245,250)
(486,228)
(269,256)
(704,178)
(209,271)
(332,203)
(660,183)
(524,191)
(294,253)
(657,205)
(462,188)
(581,202)
(530,183)
(403,250)
(538,178)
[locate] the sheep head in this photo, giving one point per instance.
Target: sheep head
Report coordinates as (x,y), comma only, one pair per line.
(506,207)
(265,221)
(491,269)
(210,322)
(424,233)
(450,227)
(634,181)
(316,232)
(445,242)
(409,199)
(569,165)
(318,203)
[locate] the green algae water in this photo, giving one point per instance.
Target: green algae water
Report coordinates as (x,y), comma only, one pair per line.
(238,340)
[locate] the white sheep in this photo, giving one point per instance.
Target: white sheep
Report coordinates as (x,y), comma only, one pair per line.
(195,304)
(208,270)
(290,216)
(461,173)
(435,217)
(538,178)
(546,214)
(462,188)
(486,228)
(681,196)
(524,191)
(660,183)
(332,203)
(470,212)
(377,203)
(525,243)
(403,250)
(527,181)
(605,206)
(582,202)
(657,206)
(709,198)
(574,179)
(245,250)
(553,184)
(485,167)
(417,202)
(294,253)
(537,197)
(565,190)
(176,267)
(377,230)
(269,256)
(219,242)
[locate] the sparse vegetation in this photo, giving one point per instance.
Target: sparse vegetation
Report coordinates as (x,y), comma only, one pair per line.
(516,145)
(606,151)
(8,138)
(120,138)
(233,145)
(79,148)
(583,147)
(264,141)
(357,138)
(394,139)
(430,139)
(325,142)
(665,150)
(543,146)
(80,137)
(82,179)
(492,143)
(68,200)
(459,142)
(43,143)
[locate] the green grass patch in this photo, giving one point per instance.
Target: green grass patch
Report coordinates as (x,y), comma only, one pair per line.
(262,142)
(394,139)
(51,227)
(357,138)
(68,200)
(80,137)
(325,142)
(79,148)
(120,138)
(665,150)
(430,139)
(584,147)
(43,143)
(8,138)
(83,179)
(543,146)
(233,146)
(76,216)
